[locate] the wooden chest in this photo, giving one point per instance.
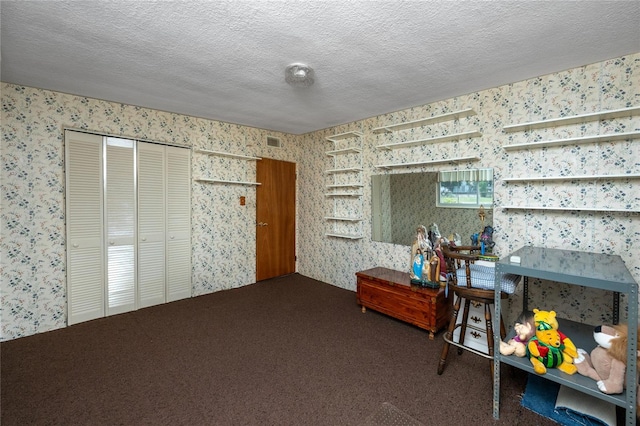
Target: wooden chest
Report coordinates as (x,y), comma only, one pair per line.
(390,292)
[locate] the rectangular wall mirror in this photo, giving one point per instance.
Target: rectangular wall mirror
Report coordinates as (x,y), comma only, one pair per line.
(451,199)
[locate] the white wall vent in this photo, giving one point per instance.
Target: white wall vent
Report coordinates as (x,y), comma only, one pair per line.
(274,142)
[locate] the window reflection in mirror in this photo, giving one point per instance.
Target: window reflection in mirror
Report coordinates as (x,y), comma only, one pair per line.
(465,188)
(401,202)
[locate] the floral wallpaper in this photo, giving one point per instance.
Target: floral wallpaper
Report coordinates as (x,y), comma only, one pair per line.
(33,287)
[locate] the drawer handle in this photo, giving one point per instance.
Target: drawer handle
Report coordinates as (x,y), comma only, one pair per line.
(475,319)
(475,334)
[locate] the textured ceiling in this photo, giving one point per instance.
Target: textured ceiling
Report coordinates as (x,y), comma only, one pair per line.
(225,60)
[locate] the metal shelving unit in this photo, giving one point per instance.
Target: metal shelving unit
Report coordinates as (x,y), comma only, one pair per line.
(595,270)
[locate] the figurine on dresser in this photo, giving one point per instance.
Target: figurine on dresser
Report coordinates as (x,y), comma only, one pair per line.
(420,250)
(425,264)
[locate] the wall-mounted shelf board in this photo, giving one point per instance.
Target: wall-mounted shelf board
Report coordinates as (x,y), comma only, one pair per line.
(429,162)
(444,138)
(572,209)
(425,121)
(231,182)
(345,185)
(574,119)
(345,170)
(574,141)
(345,135)
(345,219)
(342,194)
(581,177)
(347,236)
(350,150)
(226,154)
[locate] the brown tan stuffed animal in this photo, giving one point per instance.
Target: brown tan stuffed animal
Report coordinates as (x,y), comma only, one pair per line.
(607,363)
(518,344)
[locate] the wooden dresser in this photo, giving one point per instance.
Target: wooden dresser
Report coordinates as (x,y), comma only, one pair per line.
(390,292)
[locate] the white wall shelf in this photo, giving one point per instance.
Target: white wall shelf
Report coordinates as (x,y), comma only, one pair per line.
(577,140)
(344,170)
(345,236)
(455,160)
(444,138)
(424,121)
(345,185)
(347,205)
(343,194)
(350,150)
(231,182)
(574,119)
(571,209)
(226,154)
(345,135)
(571,178)
(565,121)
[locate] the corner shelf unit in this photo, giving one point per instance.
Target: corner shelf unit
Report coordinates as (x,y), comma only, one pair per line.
(594,270)
(450,116)
(227,155)
(345,189)
(566,121)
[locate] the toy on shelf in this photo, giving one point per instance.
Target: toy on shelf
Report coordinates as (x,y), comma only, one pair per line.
(517,345)
(550,348)
(607,363)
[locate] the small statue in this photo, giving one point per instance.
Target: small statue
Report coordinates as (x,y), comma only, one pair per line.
(486,237)
(434,235)
(420,250)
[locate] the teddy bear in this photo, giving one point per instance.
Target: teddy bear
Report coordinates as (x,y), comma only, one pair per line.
(548,319)
(550,348)
(607,363)
(517,345)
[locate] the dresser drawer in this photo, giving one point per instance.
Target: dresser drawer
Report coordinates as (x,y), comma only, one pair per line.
(475,335)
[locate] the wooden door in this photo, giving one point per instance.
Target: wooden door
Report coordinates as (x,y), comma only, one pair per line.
(275,219)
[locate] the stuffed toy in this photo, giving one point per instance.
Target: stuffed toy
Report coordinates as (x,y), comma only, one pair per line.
(548,319)
(518,344)
(608,361)
(550,348)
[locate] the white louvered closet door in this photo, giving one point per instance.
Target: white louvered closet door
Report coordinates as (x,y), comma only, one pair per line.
(178,223)
(151,224)
(84,209)
(120,215)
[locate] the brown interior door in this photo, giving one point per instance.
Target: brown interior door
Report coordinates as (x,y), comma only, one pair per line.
(275,218)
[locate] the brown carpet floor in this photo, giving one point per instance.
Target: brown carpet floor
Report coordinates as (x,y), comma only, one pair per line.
(286,351)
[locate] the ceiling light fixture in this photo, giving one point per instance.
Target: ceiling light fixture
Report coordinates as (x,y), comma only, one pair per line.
(299,75)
